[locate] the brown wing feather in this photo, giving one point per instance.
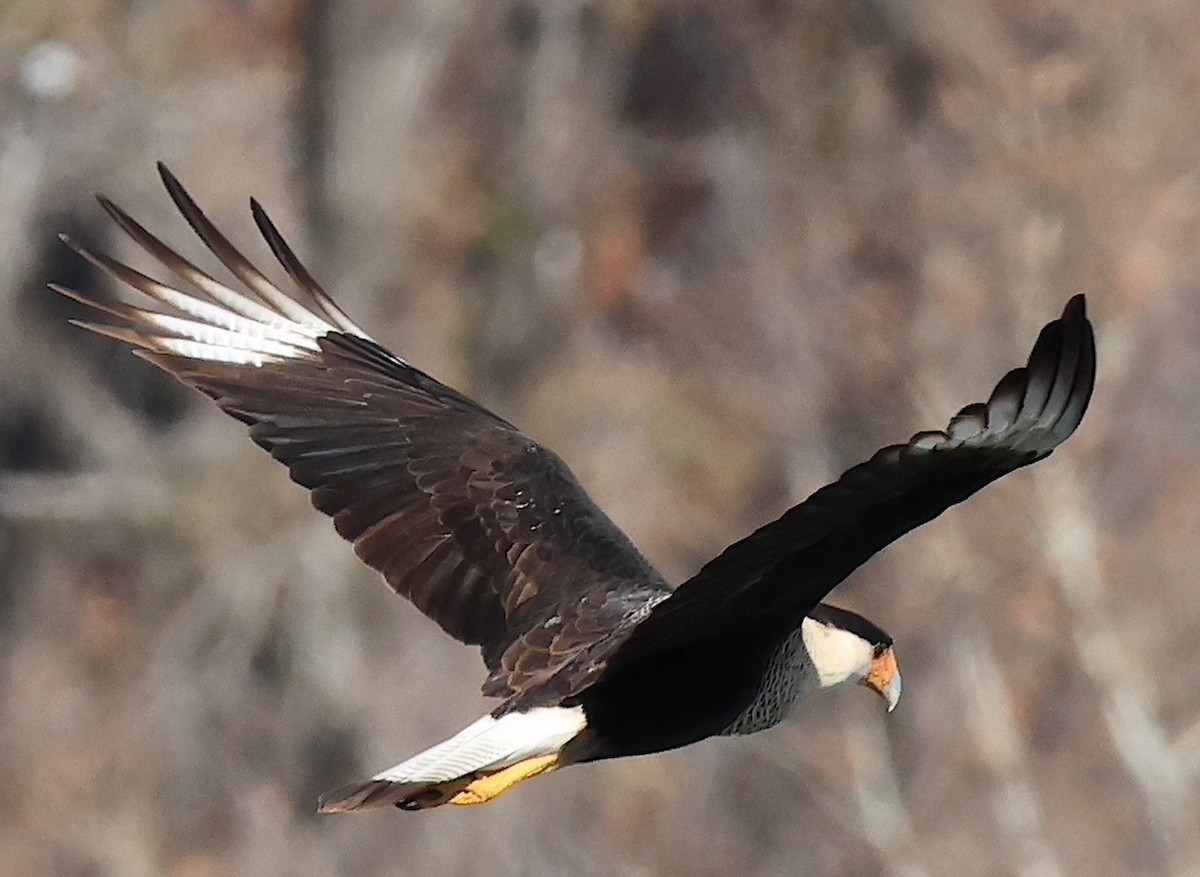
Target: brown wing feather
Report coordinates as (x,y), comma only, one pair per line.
(485,531)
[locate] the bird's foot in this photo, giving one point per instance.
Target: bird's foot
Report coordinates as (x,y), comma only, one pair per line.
(490,787)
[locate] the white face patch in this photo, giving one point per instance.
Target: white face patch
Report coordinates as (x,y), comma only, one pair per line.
(837,654)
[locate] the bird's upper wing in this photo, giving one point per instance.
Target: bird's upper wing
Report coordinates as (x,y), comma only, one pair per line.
(484,530)
(790,564)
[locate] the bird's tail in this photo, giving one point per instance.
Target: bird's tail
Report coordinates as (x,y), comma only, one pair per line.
(476,765)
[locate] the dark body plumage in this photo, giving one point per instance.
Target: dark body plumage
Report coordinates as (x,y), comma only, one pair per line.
(490,535)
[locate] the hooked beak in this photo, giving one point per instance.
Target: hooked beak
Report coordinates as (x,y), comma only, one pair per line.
(884,678)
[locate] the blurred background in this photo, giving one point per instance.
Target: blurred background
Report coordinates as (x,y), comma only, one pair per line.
(713,253)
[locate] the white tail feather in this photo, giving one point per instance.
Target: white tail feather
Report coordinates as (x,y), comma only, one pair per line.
(491,744)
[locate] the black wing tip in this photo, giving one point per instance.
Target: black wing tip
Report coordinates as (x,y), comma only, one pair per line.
(175,189)
(79,249)
(1058,378)
(1084,383)
(1079,330)
(1075,322)
(110,207)
(1046,398)
(1074,319)
(272,235)
(75,296)
(183,201)
(169,179)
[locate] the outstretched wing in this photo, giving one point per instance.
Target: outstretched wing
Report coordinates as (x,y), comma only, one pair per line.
(485,531)
(789,565)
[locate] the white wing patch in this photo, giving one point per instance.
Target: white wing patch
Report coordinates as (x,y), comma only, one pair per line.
(219,324)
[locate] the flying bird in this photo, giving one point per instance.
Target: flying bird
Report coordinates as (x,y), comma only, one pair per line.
(592,653)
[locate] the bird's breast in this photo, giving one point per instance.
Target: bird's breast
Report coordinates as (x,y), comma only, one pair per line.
(790,676)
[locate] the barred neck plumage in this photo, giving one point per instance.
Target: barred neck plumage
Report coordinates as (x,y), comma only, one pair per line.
(790,677)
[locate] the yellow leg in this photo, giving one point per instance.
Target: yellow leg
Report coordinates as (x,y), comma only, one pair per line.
(494,785)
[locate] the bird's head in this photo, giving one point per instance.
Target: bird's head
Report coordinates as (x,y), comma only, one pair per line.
(845,647)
